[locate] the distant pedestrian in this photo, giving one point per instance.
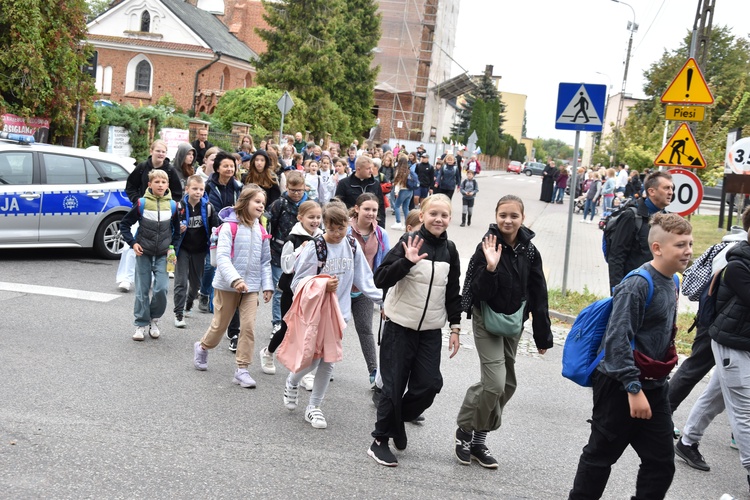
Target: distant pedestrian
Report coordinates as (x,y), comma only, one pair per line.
(201,145)
(242,273)
(505,278)
(417,308)
(592,195)
(425,174)
(158,234)
(405,184)
(631,406)
(469,190)
(448,178)
(634,187)
(608,191)
(548,182)
(561,182)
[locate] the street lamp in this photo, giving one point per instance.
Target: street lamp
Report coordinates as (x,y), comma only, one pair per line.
(632,27)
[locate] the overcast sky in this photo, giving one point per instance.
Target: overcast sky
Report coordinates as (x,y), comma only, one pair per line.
(536,44)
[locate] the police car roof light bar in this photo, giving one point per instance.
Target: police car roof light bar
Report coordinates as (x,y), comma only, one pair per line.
(21,138)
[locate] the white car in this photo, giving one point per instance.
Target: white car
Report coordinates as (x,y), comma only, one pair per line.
(54,196)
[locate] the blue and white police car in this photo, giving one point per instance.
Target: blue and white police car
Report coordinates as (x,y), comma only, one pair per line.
(55,196)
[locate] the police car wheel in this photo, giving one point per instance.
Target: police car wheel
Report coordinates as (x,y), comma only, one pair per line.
(107,242)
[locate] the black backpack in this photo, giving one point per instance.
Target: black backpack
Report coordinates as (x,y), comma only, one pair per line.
(321,249)
(609,222)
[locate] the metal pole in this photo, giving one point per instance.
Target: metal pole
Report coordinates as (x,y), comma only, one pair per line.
(571,205)
(281,129)
(78,123)
(632,27)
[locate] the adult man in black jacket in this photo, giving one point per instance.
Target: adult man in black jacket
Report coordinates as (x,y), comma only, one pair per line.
(629,248)
(201,145)
(361,181)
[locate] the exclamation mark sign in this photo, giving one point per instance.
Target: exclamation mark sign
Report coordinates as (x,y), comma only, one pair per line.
(689,79)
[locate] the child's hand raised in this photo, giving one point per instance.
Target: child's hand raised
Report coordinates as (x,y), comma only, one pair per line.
(411,249)
(492,252)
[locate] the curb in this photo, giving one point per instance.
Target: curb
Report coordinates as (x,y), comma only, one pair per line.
(562,317)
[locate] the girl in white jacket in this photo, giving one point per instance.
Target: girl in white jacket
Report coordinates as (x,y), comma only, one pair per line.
(243,270)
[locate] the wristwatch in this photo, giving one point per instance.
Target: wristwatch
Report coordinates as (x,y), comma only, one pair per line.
(633,387)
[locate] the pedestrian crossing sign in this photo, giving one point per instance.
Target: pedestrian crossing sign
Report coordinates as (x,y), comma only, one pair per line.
(580,106)
(681,150)
(688,87)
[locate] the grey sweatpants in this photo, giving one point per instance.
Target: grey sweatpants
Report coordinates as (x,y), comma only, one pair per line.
(362,313)
(733,372)
(709,404)
(482,409)
(187,279)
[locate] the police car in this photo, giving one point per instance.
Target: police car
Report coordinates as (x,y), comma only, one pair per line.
(54,196)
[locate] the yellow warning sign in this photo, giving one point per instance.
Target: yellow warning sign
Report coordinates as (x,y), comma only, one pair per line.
(681,150)
(688,87)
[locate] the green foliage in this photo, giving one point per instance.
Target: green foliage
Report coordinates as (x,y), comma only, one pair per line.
(40,61)
(555,148)
(508,144)
(727,72)
(136,120)
(257,106)
(328,43)
(483,113)
(96,7)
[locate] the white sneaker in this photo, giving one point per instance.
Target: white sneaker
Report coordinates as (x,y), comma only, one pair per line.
(291,396)
(398,226)
(140,333)
(307,381)
(179,323)
(315,417)
(266,362)
(124,286)
(153,330)
(171,275)
(582,221)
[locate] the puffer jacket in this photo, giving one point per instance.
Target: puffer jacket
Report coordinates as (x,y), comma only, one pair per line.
(422,296)
(158,226)
(519,276)
(222,196)
(731,328)
(251,259)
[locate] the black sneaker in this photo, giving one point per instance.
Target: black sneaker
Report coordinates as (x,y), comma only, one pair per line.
(482,455)
(419,420)
(382,454)
(400,442)
(463,446)
(233,344)
(691,455)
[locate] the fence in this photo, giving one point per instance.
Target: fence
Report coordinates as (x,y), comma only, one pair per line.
(492,162)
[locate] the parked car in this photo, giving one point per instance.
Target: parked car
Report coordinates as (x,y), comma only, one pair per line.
(55,196)
(532,168)
(515,167)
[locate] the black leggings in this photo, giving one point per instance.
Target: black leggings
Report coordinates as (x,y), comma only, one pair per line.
(286,304)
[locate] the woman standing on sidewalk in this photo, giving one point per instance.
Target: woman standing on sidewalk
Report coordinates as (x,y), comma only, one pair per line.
(504,283)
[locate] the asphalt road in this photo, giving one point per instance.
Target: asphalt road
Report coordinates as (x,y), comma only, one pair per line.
(88,413)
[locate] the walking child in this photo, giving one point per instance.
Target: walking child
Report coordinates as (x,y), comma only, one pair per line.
(347,267)
(469,190)
(363,226)
(243,271)
(157,235)
(195,228)
(631,406)
(421,280)
(505,277)
(307,228)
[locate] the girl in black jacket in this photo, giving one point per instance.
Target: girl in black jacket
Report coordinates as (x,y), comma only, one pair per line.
(505,276)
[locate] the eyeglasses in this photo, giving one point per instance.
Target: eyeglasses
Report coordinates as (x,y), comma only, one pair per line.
(296,191)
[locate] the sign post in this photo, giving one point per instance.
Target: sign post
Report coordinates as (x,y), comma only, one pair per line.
(580,107)
(285,105)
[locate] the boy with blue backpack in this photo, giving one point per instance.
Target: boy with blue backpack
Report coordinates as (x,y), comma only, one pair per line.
(158,233)
(630,384)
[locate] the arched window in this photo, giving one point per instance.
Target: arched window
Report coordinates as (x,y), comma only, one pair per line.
(145,21)
(224,79)
(143,77)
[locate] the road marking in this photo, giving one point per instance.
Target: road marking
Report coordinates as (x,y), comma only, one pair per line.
(58,292)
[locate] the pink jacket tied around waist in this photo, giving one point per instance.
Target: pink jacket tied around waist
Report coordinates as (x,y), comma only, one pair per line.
(315,326)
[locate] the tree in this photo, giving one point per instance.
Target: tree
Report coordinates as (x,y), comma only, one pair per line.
(40,61)
(321,50)
(727,72)
(257,106)
(96,7)
(356,38)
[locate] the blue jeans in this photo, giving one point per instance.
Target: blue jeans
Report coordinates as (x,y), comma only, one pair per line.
(608,203)
(589,206)
(208,276)
(147,306)
(559,194)
(276,304)
(402,203)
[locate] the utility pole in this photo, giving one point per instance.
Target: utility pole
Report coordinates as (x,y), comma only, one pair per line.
(632,27)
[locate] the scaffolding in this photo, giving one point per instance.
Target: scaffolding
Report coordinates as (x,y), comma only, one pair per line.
(404,55)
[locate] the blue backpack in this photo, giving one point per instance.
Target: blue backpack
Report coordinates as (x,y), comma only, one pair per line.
(580,358)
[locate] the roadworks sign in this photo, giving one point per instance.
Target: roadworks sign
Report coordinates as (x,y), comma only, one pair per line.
(681,150)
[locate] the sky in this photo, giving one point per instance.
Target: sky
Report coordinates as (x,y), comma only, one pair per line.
(537,44)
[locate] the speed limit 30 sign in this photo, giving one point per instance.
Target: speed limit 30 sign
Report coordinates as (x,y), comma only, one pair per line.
(688,192)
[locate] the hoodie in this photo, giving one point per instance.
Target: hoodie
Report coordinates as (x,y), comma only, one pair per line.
(179,158)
